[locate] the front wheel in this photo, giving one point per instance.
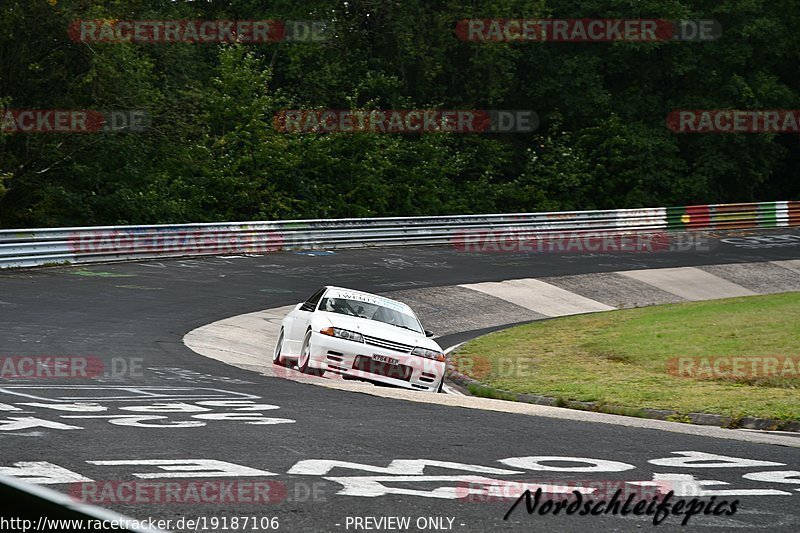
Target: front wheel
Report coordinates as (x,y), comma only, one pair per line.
(305,358)
(277,358)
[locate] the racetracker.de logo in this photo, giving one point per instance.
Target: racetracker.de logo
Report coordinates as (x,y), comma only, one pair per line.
(170,241)
(209,492)
(479,366)
(561,489)
(197,31)
(734,121)
(72,121)
(405,121)
(735,367)
(586,30)
(522,241)
(68,367)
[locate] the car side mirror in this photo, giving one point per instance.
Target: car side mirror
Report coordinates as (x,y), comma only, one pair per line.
(428,333)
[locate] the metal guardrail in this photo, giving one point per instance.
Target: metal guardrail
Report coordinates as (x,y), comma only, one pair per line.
(36,247)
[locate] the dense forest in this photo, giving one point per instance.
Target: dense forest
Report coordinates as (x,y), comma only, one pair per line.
(211,151)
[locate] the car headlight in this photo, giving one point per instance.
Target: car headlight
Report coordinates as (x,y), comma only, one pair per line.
(428,354)
(345,334)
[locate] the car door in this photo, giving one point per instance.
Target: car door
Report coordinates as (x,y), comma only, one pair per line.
(296,328)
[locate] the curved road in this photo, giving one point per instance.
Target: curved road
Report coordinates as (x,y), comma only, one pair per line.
(333,460)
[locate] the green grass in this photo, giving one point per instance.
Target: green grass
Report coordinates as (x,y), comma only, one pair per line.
(620,358)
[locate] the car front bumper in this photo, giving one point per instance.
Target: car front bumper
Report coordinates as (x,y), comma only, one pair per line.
(357,360)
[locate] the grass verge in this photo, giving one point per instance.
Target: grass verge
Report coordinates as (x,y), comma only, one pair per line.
(632,358)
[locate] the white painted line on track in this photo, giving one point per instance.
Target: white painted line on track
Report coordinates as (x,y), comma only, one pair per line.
(450,390)
(450,349)
(772,432)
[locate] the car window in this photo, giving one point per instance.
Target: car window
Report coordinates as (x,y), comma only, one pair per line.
(311,303)
(344,306)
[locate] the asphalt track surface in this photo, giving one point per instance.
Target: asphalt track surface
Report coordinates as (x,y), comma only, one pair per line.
(142,310)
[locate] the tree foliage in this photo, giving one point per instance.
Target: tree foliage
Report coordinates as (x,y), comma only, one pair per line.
(211,152)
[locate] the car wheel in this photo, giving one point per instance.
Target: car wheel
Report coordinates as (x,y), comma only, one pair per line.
(277,359)
(305,357)
(441,386)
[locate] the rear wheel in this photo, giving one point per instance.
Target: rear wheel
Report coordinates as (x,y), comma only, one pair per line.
(305,358)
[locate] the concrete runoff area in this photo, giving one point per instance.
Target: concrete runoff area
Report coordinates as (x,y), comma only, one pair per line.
(690,283)
(540,297)
(791,264)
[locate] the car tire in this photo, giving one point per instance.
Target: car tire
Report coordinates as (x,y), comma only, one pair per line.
(440,388)
(305,357)
(277,358)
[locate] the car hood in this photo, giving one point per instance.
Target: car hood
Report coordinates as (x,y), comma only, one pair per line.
(373,328)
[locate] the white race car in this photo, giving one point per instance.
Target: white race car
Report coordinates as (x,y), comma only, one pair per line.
(361,336)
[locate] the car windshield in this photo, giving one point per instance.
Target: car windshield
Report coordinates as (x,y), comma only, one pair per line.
(370,311)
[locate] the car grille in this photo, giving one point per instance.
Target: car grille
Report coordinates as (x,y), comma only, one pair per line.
(366,364)
(389,345)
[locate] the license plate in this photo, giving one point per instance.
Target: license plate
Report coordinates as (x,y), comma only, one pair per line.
(383,359)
